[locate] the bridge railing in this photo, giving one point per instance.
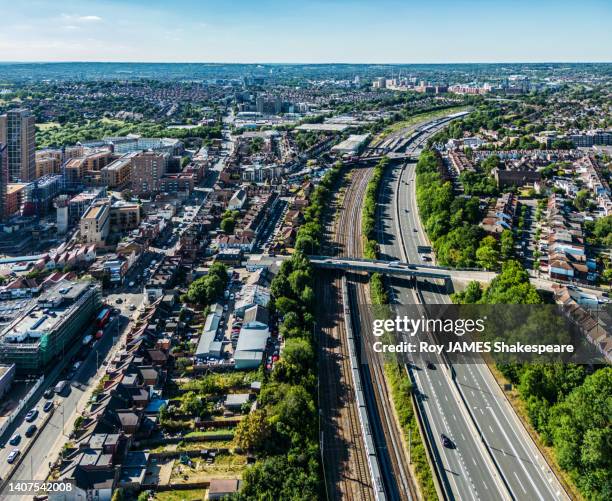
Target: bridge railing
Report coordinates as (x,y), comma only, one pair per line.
(387,262)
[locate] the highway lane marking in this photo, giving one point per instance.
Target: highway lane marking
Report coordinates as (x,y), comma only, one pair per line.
(518,431)
(520,483)
(516,454)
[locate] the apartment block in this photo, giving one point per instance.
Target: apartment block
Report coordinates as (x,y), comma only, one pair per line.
(95,223)
(17,131)
(118,174)
(148,168)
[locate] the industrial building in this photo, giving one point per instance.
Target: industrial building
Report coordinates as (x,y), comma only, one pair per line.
(351,146)
(251,345)
(49,325)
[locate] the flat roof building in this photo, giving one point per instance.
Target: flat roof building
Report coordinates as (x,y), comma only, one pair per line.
(118,174)
(49,325)
(352,145)
(95,223)
(148,168)
(17,131)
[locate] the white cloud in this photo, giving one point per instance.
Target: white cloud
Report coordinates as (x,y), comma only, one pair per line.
(73,18)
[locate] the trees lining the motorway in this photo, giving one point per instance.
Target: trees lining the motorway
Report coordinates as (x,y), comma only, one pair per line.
(568,407)
(451,222)
(368,214)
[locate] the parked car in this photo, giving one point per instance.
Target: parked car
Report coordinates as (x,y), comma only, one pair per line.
(119,300)
(15,439)
(48,406)
(12,456)
(31,430)
(31,415)
(48,393)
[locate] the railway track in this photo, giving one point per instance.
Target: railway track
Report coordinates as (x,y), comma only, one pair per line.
(346,469)
(349,241)
(344,453)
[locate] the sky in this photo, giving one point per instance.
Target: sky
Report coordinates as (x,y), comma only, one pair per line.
(306,31)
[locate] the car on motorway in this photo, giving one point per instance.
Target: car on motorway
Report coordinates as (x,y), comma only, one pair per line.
(415,230)
(48,406)
(31,415)
(12,456)
(31,430)
(15,439)
(447,442)
(430,365)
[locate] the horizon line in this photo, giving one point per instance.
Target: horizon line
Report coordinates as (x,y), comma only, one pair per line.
(296,63)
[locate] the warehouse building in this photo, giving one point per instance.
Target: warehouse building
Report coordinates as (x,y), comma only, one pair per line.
(251,345)
(351,146)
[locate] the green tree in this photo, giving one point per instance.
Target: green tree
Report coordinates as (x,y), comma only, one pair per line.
(487,254)
(253,431)
(507,244)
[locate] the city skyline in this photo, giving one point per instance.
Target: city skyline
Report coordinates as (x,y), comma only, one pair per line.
(340,31)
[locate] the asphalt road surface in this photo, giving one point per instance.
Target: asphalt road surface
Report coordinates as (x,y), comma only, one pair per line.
(524,470)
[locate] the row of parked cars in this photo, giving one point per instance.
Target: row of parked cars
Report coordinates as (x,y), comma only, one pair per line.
(30,417)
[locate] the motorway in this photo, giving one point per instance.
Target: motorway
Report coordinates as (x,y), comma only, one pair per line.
(471,472)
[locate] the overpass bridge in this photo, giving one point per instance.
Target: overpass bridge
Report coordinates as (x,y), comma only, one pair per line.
(398,268)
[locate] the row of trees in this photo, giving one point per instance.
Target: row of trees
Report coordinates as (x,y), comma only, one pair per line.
(568,404)
(71,133)
(310,234)
(451,222)
(283,430)
(368,215)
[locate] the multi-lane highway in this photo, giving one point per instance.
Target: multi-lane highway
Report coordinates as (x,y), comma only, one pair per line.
(506,462)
